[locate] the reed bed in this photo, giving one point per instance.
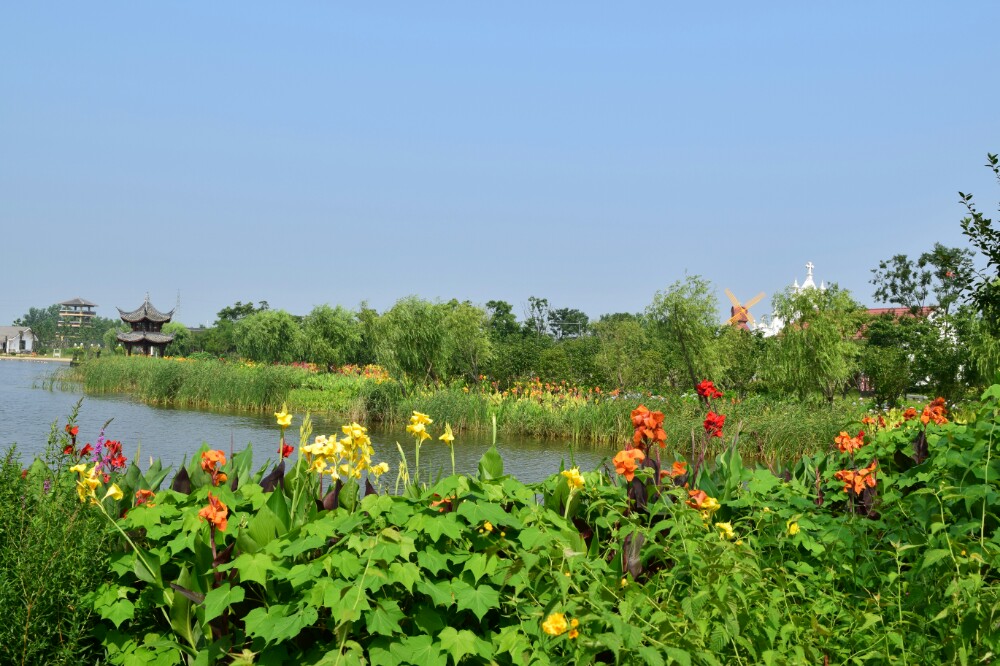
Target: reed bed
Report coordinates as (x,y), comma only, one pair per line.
(770,431)
(212,384)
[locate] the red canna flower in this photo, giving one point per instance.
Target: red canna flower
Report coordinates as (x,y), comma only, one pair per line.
(286,450)
(68,450)
(142,496)
(910,413)
(713,424)
(706,389)
(72,430)
(87,450)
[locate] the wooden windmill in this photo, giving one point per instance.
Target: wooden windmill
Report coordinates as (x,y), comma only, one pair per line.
(741,317)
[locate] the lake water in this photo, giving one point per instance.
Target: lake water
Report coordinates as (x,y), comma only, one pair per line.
(28,408)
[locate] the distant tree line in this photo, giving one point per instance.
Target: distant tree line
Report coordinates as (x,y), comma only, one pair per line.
(943,337)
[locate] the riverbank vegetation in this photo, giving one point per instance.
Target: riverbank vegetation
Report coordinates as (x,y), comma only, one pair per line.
(883,549)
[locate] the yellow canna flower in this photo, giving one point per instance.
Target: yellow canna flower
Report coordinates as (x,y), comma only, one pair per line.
(725,530)
(283,417)
(711,505)
(418,430)
(573,478)
(793,527)
(379,469)
(114,492)
(447,437)
(79,468)
(555,624)
(420,418)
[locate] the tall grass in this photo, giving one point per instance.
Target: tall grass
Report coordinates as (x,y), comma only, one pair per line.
(213,384)
(769,430)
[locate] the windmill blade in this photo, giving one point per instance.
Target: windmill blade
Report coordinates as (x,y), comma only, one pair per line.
(754,301)
(750,318)
(732,298)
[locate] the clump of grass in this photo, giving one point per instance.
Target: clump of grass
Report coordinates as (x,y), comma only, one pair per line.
(212,384)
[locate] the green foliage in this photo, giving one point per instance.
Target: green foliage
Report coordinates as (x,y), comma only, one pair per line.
(53,552)
(943,271)
(332,336)
(888,369)
(684,319)
(410,341)
(817,351)
(181,344)
(192,383)
(271,336)
(784,568)
(983,288)
(468,344)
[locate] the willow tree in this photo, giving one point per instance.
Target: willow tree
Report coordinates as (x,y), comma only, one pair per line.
(817,351)
(410,342)
(332,335)
(269,336)
(685,319)
(468,344)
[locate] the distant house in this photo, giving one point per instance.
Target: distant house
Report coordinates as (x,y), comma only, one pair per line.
(17,340)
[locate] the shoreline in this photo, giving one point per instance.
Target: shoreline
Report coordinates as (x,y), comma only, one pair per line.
(36,359)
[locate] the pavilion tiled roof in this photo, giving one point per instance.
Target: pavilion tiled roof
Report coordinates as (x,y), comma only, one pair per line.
(79,302)
(145,311)
(148,336)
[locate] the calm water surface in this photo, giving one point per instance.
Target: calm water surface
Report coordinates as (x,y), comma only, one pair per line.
(27,410)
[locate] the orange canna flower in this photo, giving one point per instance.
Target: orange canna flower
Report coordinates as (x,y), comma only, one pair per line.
(215,513)
(935,412)
(626,462)
(910,413)
(856,480)
(679,468)
(847,444)
(142,496)
(212,459)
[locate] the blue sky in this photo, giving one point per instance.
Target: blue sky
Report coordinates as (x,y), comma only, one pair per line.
(587,153)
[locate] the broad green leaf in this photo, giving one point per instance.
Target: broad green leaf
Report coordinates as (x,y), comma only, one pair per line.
(252,567)
(490,465)
(458,643)
(480,599)
(384,618)
(420,650)
(219,599)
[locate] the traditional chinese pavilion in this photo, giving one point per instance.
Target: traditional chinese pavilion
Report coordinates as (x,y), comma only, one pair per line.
(145,337)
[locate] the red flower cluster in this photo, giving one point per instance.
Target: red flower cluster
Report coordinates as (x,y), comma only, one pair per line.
(114,454)
(706,389)
(648,427)
(713,424)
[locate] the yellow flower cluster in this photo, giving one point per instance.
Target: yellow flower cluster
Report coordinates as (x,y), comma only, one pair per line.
(86,487)
(346,457)
(418,426)
(556,624)
(573,478)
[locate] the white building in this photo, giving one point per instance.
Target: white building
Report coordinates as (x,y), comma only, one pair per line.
(17,340)
(772,325)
